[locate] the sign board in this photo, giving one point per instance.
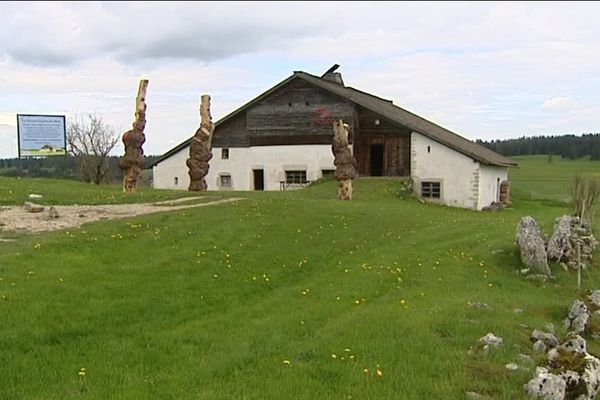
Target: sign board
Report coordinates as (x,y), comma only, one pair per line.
(41,135)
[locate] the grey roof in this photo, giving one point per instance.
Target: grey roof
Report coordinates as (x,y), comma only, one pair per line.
(386,109)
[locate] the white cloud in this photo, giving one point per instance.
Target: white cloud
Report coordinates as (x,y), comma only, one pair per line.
(558,103)
(484,70)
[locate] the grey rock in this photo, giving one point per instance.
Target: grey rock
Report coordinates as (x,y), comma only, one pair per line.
(574,344)
(578,317)
(491,340)
(572,242)
(474,396)
(559,242)
(546,386)
(495,206)
(32,207)
(540,347)
(550,328)
(480,306)
(591,377)
(547,338)
(512,366)
(532,246)
(518,310)
(52,213)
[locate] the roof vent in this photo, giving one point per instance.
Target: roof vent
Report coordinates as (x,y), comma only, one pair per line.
(333,76)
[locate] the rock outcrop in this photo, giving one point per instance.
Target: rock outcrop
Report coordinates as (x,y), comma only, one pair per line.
(572,241)
(571,373)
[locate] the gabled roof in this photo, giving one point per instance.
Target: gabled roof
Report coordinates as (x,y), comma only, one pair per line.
(386,109)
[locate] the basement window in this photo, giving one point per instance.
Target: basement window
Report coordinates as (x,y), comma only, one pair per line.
(225,181)
(430,190)
(176,181)
(224,154)
(327,172)
(292,177)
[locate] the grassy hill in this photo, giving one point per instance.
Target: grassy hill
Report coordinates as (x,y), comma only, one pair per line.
(286,295)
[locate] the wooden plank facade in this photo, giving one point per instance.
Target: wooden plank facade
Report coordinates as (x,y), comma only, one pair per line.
(302,113)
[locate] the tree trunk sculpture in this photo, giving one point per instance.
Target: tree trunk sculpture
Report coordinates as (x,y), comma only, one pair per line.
(201,148)
(345,163)
(133,160)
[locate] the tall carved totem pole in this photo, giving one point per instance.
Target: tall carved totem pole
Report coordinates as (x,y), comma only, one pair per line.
(133,160)
(345,164)
(201,148)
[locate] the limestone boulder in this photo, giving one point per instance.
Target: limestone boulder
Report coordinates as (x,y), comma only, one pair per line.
(32,207)
(532,247)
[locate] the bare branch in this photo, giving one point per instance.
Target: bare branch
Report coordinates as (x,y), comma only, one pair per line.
(90,140)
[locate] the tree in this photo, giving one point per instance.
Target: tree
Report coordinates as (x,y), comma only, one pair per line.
(89,140)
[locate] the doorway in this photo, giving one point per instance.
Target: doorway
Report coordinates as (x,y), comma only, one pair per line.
(377,160)
(259,179)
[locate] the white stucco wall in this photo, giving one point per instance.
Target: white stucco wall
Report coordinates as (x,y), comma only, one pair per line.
(489,184)
(273,160)
(457,173)
(165,172)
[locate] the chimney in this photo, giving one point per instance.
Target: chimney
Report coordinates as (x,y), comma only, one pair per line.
(333,76)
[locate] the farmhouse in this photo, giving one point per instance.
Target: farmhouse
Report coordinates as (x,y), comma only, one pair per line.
(282,139)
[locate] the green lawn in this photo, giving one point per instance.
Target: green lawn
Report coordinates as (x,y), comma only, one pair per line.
(58,191)
(286,295)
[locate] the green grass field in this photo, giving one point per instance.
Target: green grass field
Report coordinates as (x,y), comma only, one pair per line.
(286,295)
(536,178)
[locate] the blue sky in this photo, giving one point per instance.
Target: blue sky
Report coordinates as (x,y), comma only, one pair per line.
(485,70)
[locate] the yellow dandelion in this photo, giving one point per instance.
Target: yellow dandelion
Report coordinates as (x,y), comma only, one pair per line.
(366,370)
(287,362)
(379,372)
(402,301)
(333,355)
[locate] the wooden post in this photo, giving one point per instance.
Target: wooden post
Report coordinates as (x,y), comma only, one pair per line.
(578,265)
(133,160)
(201,148)
(345,163)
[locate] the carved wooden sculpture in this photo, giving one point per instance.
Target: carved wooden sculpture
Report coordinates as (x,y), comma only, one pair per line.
(345,164)
(133,160)
(201,148)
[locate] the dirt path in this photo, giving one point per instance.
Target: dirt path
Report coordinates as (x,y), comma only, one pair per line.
(17,219)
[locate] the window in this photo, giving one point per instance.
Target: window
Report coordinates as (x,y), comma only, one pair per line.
(295,177)
(225,181)
(429,149)
(430,190)
(176,180)
(224,154)
(327,172)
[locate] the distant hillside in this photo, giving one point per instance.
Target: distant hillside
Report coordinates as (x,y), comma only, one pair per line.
(64,167)
(567,146)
